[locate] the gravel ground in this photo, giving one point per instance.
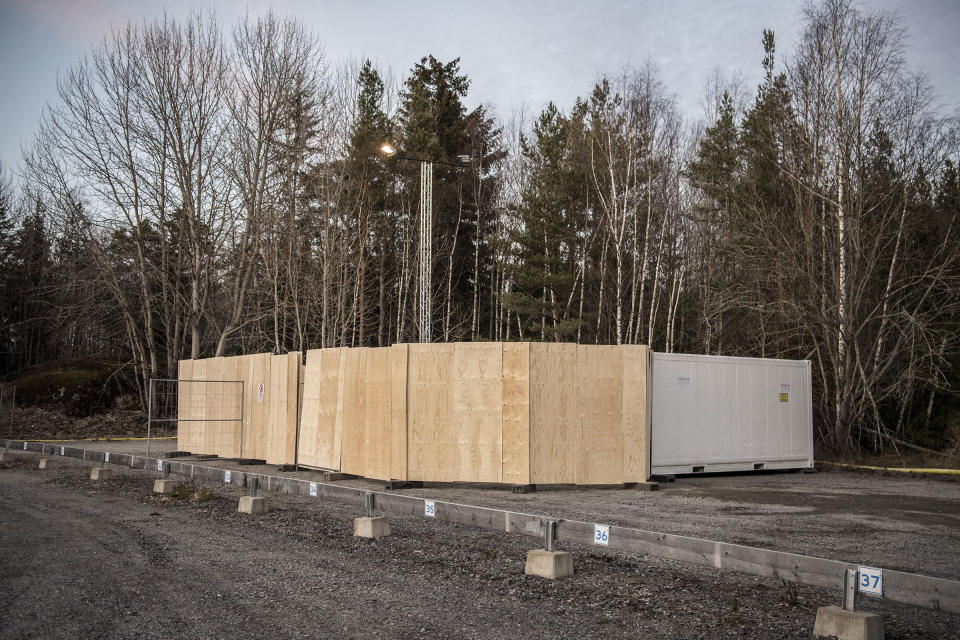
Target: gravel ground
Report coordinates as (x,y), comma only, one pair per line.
(898,522)
(112,560)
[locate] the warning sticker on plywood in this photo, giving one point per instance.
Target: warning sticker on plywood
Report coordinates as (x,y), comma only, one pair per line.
(260,393)
(784,392)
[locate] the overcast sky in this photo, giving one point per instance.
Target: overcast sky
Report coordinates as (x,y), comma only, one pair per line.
(518,52)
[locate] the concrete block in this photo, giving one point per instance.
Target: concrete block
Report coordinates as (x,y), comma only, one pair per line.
(549,564)
(848,625)
(101,473)
(371,527)
(163,486)
(253,506)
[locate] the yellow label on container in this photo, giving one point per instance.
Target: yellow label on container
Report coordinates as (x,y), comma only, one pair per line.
(784,397)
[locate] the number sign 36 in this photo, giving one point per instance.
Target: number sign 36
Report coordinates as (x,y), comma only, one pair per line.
(601,534)
(870,580)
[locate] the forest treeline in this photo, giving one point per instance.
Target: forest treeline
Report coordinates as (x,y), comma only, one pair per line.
(198,190)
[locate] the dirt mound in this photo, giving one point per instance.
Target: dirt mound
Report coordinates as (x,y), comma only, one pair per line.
(78,388)
(39,423)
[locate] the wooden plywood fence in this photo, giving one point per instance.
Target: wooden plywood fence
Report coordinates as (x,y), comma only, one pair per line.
(520,413)
(215,418)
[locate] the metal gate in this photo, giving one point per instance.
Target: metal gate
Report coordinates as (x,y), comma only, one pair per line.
(204,414)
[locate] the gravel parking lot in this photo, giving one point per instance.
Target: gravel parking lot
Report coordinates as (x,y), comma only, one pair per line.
(112,560)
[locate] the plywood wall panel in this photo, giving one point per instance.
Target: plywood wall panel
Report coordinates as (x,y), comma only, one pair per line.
(600,400)
(399,356)
(377,419)
(211,391)
(554,417)
(352,410)
(431,439)
(197,412)
(284,381)
(635,415)
(309,436)
(516,413)
(477,411)
(215,404)
(188,431)
(231,407)
(206,392)
(301,374)
(320,420)
(330,444)
(256,427)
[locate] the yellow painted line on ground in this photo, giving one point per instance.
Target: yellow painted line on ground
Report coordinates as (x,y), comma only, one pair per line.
(104,439)
(943,472)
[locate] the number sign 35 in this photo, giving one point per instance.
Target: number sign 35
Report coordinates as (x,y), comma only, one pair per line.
(870,580)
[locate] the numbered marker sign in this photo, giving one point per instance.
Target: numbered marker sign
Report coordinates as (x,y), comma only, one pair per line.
(870,580)
(159,465)
(62,450)
(313,489)
(226,477)
(601,534)
(429,509)
(106,457)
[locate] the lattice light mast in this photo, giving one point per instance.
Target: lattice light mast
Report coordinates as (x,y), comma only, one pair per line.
(426,251)
(425,272)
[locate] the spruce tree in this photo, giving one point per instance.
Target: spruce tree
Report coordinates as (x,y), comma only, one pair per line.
(546,245)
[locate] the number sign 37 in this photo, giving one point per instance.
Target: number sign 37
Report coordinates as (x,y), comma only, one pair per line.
(870,580)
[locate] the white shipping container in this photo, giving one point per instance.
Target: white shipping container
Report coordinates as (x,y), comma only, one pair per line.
(719,413)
